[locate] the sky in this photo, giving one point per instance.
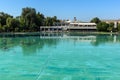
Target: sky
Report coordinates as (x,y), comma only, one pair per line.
(83,10)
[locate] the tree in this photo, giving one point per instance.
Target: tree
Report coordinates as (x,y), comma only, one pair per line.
(102,26)
(55,21)
(48,21)
(13,24)
(22,27)
(111,27)
(29,20)
(1,28)
(95,20)
(51,21)
(29,16)
(119,27)
(40,19)
(3,18)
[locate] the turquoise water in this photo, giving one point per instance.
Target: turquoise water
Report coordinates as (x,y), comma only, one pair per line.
(60,57)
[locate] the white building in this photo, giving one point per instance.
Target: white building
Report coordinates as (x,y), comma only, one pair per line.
(71,26)
(82,24)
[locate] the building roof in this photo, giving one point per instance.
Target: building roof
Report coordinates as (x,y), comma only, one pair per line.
(84,23)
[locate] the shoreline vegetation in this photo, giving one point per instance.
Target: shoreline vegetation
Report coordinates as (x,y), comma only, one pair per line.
(30,21)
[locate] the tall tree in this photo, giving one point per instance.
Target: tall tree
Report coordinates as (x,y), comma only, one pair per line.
(40,19)
(29,16)
(96,20)
(3,18)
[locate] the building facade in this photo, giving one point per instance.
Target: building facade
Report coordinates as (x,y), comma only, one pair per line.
(81,26)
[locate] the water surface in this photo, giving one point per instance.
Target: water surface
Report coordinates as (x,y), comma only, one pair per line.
(60,57)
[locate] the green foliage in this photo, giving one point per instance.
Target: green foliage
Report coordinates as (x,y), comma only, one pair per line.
(32,20)
(3,18)
(13,24)
(5,28)
(29,16)
(96,20)
(29,20)
(51,21)
(119,27)
(102,26)
(0,28)
(40,19)
(111,27)
(48,21)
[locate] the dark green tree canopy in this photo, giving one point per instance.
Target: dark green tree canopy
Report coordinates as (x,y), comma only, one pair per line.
(119,27)
(111,27)
(40,19)
(102,26)
(3,18)
(13,24)
(29,16)
(96,20)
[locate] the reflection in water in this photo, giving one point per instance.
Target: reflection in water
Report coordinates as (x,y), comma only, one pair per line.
(102,39)
(30,44)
